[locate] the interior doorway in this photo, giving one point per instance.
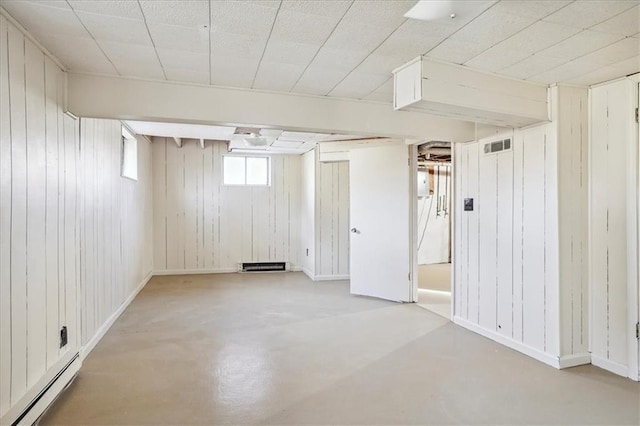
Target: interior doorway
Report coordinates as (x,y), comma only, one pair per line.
(433,226)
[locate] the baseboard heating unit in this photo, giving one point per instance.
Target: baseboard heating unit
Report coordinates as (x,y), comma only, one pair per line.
(264,267)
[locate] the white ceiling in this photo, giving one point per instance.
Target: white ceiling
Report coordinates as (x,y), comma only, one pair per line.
(334,48)
(278,141)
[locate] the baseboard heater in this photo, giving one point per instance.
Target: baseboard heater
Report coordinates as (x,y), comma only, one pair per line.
(264,267)
(38,405)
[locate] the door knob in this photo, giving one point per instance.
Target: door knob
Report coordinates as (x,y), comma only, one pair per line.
(355,231)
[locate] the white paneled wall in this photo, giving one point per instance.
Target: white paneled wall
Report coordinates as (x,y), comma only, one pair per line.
(433,219)
(573,167)
(504,280)
(308,213)
(521,254)
(201,225)
(116,222)
(38,220)
(332,217)
(75,238)
(613,233)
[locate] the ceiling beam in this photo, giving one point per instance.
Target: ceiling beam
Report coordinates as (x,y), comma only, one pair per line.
(178,142)
(135,99)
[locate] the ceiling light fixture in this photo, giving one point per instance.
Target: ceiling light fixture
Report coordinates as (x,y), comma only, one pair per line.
(431,10)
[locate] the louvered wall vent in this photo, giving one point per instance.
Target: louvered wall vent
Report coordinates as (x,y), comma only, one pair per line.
(497,146)
(264,266)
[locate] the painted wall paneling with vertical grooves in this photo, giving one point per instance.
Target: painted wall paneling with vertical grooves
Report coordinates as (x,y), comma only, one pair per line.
(613,237)
(201,225)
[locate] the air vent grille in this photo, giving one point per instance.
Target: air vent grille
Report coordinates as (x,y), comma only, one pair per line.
(497,146)
(264,266)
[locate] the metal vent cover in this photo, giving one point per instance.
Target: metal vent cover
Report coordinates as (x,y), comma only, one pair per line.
(497,146)
(264,266)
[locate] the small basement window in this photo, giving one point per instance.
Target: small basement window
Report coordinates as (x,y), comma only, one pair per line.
(129,155)
(242,170)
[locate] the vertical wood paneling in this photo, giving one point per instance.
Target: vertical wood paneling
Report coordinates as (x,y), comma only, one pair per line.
(508,259)
(504,249)
(18,281)
(214,227)
(488,231)
(612,143)
(63,213)
(573,207)
(533,268)
(332,188)
(473,296)
(5,222)
(52,282)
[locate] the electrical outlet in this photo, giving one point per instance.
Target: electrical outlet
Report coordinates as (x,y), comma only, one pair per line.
(63,336)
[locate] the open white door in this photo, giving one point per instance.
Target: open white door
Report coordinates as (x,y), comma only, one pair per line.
(380,262)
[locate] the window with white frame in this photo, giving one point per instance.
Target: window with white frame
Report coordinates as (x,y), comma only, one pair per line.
(129,155)
(245,170)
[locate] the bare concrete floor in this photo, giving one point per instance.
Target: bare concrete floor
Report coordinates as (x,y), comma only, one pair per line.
(280,349)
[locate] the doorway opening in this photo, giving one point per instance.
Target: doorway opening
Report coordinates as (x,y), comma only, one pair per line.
(433,225)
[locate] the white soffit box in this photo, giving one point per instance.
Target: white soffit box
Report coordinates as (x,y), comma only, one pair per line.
(459,92)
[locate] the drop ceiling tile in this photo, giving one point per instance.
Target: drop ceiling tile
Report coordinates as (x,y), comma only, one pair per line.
(407,44)
(560,74)
(456,51)
(358,85)
(533,65)
(91,60)
(189,13)
(617,52)
(254,19)
(586,13)
(122,8)
(237,45)
(111,28)
(339,59)
(277,76)
(383,94)
(492,27)
(538,9)
(44,21)
(531,40)
(303,27)
(317,80)
(233,71)
(620,69)
(192,39)
(289,53)
(329,8)
(134,60)
(187,75)
(379,64)
(356,36)
(182,59)
(581,44)
(626,23)
(378,13)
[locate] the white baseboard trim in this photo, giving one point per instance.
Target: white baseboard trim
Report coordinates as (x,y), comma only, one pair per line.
(196,271)
(607,364)
(91,344)
(308,273)
(508,342)
(330,277)
(292,268)
(574,360)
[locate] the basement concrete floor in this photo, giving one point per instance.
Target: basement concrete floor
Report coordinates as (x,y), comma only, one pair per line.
(280,349)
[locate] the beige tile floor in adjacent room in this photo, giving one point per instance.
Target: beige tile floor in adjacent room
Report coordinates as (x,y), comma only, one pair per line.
(279,349)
